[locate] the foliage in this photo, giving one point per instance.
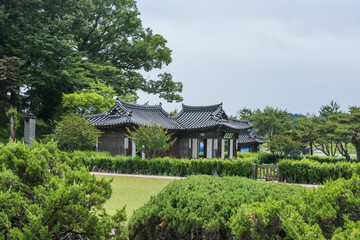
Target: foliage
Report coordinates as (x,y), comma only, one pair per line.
(199,207)
(325,136)
(151,139)
(259,157)
(267,122)
(314,172)
(66,45)
(282,146)
(304,131)
(46,195)
(330,109)
(75,133)
(167,166)
(12,114)
(96,99)
(347,130)
(10,82)
(331,212)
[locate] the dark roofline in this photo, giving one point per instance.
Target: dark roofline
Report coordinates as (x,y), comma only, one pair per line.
(197,108)
(143,107)
(95,115)
(242,121)
(189,107)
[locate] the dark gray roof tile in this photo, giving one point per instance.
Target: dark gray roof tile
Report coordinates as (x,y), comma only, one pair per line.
(249,137)
(190,117)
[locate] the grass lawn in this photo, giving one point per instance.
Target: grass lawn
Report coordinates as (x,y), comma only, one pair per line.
(132,192)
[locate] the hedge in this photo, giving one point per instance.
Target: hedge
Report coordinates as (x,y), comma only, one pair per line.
(259,157)
(269,158)
(323,159)
(199,207)
(313,172)
(168,166)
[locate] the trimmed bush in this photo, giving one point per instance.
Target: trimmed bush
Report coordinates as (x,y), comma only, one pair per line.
(321,159)
(167,166)
(259,157)
(313,172)
(199,207)
(331,212)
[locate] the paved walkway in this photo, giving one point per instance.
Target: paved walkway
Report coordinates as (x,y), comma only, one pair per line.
(303,185)
(169,177)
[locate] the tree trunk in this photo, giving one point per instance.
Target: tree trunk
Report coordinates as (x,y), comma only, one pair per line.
(12,128)
(311,148)
(357,147)
(356,144)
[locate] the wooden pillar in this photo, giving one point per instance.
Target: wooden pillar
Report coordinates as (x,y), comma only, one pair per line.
(235,148)
(189,149)
(209,148)
(215,148)
(222,148)
(195,152)
(126,147)
(133,149)
(231,148)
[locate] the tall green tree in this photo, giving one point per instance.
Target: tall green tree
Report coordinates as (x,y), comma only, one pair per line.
(305,131)
(96,99)
(325,136)
(73,132)
(151,139)
(269,121)
(68,44)
(10,82)
(348,130)
(327,110)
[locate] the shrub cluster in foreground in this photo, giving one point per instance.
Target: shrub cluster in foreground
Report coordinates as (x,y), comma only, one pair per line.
(199,207)
(330,212)
(44,194)
(206,207)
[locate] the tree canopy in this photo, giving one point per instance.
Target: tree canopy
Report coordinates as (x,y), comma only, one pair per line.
(66,45)
(267,122)
(151,139)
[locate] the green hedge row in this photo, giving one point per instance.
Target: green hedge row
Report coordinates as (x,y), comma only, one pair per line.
(323,159)
(167,166)
(269,158)
(259,157)
(199,207)
(314,172)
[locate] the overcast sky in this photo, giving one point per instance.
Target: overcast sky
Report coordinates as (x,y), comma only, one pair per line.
(291,54)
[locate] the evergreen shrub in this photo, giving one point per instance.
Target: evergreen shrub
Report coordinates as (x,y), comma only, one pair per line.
(199,207)
(44,194)
(167,166)
(329,212)
(314,172)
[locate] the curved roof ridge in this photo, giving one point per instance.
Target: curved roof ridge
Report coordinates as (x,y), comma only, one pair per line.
(241,121)
(138,106)
(184,106)
(95,115)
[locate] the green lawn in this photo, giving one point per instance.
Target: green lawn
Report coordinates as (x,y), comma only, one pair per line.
(132,192)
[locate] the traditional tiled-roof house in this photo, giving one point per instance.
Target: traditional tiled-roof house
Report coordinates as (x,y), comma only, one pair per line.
(249,142)
(208,126)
